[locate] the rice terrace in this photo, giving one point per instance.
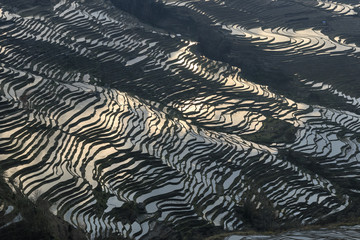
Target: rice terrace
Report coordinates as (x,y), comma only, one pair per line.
(179,119)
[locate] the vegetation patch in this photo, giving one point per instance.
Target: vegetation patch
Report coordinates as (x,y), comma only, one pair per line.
(128,212)
(101,200)
(273,131)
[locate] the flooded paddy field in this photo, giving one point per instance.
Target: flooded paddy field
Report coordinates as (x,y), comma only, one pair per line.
(351,233)
(182,119)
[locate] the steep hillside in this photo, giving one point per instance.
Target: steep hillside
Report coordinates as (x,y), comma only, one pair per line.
(178,119)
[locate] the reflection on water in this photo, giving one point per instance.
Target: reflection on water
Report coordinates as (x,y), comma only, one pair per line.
(124,115)
(348,233)
(307,41)
(339,8)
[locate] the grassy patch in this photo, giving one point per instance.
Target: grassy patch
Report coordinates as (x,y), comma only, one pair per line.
(128,212)
(273,131)
(101,200)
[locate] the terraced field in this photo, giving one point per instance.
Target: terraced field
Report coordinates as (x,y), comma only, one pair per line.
(131,130)
(351,233)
